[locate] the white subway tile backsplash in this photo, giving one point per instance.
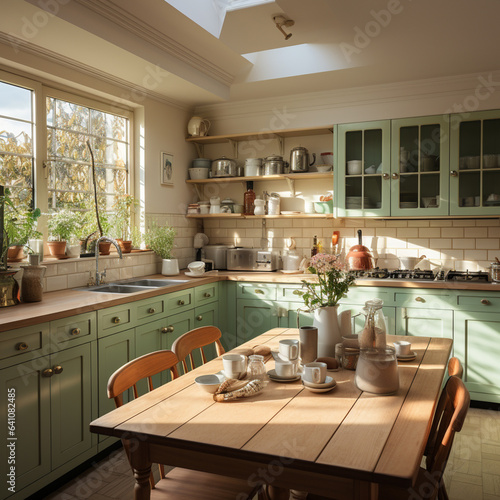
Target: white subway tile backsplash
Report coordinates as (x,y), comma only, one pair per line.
(429,232)
(453,232)
(476,232)
(440,223)
(488,243)
(443,243)
(407,232)
(463,243)
(53,283)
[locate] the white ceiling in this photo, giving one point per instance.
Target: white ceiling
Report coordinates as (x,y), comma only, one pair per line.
(335,44)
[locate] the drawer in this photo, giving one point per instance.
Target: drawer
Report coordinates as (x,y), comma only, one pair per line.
(256,291)
(115,319)
(480,302)
(206,294)
(420,298)
(75,330)
(288,292)
(23,344)
(360,295)
(179,301)
(150,309)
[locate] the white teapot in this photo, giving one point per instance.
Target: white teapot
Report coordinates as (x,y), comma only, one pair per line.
(198,126)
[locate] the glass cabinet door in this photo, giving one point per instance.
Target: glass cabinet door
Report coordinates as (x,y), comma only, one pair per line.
(363,159)
(420,166)
(475,164)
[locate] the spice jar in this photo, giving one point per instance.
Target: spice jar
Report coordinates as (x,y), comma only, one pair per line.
(377,371)
(31,283)
(256,368)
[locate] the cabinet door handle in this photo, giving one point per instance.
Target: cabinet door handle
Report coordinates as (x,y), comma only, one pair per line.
(258,290)
(385,176)
(180,302)
(151,310)
(167,329)
(22,346)
(419,299)
(116,320)
(486,302)
(199,317)
(395,176)
(454,173)
(57,369)
(47,373)
(207,294)
(75,331)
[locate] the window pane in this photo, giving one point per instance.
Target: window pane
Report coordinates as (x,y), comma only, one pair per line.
(15,170)
(71,116)
(68,145)
(107,125)
(15,101)
(110,152)
(15,136)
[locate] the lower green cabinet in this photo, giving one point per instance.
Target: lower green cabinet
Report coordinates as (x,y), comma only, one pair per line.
(427,322)
(254,317)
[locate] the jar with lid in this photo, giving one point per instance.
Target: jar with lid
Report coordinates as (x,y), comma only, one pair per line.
(375,330)
(495,272)
(259,206)
(377,371)
(228,203)
(256,368)
(31,283)
(273,204)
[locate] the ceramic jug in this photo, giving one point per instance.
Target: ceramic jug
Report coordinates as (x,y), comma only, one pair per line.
(198,126)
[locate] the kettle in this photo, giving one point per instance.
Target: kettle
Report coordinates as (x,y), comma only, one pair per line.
(198,126)
(299,159)
(359,257)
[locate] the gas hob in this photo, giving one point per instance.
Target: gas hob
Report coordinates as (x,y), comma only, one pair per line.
(423,275)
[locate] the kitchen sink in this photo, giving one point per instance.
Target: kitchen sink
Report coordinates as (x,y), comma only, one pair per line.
(132,286)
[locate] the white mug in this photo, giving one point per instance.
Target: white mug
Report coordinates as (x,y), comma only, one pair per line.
(402,348)
(289,349)
(286,369)
(235,365)
(314,372)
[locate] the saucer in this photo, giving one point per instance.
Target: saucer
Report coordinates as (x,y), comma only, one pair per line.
(324,389)
(407,357)
(193,275)
(274,376)
(329,382)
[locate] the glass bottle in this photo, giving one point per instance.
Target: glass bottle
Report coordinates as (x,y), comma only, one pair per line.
(249,199)
(375,330)
(256,368)
(315,247)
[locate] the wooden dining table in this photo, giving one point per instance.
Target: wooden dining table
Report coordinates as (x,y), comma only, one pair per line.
(341,444)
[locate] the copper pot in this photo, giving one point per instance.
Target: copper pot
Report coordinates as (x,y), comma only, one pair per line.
(359,257)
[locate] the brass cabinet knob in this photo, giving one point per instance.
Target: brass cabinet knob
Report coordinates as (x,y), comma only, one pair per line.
(47,373)
(385,176)
(258,290)
(181,302)
(486,302)
(75,331)
(22,346)
(207,294)
(419,299)
(167,329)
(116,320)
(199,317)
(395,176)
(454,173)
(151,310)
(57,369)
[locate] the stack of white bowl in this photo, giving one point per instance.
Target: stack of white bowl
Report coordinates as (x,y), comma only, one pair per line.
(200,168)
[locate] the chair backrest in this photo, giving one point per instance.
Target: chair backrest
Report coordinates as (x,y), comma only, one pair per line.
(197,339)
(455,368)
(140,368)
(450,419)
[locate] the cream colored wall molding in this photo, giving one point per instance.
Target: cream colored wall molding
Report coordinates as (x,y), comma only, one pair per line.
(119,16)
(48,55)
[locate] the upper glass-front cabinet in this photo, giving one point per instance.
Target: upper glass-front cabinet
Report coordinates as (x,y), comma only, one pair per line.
(420,166)
(362,183)
(475,164)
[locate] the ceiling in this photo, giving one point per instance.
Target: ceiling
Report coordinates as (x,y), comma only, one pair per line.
(335,44)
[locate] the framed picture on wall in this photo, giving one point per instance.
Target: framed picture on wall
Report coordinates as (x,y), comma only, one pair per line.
(167,165)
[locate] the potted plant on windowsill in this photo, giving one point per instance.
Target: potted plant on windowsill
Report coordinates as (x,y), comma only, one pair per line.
(160,239)
(121,219)
(63,225)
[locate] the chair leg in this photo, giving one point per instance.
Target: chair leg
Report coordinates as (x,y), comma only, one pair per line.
(442,493)
(273,493)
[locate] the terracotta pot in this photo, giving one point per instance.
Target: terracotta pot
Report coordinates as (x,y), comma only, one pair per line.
(359,257)
(15,253)
(104,247)
(125,246)
(57,249)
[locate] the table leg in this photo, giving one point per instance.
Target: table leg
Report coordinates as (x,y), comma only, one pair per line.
(366,491)
(138,454)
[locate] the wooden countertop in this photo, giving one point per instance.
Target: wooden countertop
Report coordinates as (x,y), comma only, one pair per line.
(64,303)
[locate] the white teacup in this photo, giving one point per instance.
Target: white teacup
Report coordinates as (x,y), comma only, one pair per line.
(403,348)
(289,349)
(196,267)
(314,372)
(235,365)
(286,369)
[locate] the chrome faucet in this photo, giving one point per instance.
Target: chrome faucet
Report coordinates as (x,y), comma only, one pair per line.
(99,276)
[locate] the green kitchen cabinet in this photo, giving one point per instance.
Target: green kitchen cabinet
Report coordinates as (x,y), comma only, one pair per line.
(424,322)
(475,163)
(365,192)
(254,317)
(420,166)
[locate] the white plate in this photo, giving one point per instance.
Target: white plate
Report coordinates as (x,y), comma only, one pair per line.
(407,357)
(274,376)
(192,275)
(290,212)
(329,382)
(325,389)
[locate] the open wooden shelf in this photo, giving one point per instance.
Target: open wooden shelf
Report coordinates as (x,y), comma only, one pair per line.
(242,216)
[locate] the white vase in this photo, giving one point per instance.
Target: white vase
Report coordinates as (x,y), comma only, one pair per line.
(327,322)
(169,267)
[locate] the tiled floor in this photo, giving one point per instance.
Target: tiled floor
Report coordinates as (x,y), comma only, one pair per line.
(472,473)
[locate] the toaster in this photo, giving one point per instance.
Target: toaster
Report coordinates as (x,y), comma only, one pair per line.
(252,259)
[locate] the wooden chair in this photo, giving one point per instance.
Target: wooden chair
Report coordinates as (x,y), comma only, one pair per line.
(455,368)
(177,484)
(197,339)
